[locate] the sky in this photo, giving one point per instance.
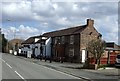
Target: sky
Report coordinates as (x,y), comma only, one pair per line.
(25,18)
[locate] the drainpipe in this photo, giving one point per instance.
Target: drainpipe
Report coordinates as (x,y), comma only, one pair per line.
(108,59)
(45,53)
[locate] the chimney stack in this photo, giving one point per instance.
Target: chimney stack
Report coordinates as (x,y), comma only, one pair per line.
(90,22)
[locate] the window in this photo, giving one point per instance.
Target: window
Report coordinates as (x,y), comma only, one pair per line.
(57,40)
(71,52)
(63,39)
(71,39)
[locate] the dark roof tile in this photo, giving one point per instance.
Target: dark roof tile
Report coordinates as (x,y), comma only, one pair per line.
(68,31)
(30,40)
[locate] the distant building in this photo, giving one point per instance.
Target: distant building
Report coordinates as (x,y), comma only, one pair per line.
(3,42)
(14,44)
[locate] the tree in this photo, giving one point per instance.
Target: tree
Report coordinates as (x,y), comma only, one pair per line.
(4,44)
(96,48)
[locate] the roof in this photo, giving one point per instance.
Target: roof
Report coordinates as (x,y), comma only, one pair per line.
(68,31)
(41,40)
(30,40)
(112,45)
(115,49)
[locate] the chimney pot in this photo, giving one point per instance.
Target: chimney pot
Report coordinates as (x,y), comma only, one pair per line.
(90,22)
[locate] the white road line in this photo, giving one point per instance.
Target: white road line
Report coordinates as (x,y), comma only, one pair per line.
(19,75)
(2,60)
(63,73)
(9,65)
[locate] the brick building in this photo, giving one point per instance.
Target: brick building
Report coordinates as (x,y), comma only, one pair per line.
(14,45)
(71,43)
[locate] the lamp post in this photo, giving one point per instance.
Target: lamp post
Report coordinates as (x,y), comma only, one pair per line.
(14,34)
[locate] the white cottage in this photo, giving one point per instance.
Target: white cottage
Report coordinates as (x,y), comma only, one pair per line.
(28,47)
(32,47)
(42,47)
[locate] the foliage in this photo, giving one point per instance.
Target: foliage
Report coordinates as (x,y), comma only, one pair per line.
(96,48)
(4,44)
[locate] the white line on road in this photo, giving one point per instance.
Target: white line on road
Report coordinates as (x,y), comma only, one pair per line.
(9,65)
(2,60)
(19,75)
(63,73)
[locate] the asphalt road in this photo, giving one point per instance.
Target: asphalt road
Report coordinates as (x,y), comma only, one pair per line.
(16,68)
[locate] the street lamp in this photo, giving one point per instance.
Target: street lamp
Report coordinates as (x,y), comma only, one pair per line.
(14,32)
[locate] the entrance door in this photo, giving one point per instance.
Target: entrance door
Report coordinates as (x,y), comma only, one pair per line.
(83,56)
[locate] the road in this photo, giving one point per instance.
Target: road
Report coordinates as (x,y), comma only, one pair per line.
(16,68)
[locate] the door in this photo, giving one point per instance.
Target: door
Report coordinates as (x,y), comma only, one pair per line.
(83,56)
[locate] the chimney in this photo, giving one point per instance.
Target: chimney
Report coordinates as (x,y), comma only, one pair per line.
(90,22)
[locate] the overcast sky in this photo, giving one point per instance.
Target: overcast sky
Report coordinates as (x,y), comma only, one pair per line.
(25,18)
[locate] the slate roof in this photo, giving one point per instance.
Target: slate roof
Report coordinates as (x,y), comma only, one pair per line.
(41,40)
(68,31)
(112,45)
(30,40)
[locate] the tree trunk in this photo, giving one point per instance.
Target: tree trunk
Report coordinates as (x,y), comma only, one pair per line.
(96,64)
(96,61)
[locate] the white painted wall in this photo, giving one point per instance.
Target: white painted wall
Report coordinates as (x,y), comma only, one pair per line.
(37,50)
(48,46)
(26,49)
(36,39)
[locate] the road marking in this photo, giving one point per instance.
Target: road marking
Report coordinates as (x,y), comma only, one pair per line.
(63,73)
(8,65)
(2,60)
(19,75)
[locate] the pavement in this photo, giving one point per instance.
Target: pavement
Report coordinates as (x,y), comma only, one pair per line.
(110,73)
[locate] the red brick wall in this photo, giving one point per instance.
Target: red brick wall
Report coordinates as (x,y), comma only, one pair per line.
(103,60)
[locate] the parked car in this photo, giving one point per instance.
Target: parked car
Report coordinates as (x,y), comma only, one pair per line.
(117,63)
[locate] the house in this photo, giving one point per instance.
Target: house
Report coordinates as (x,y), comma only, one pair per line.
(70,44)
(14,45)
(28,46)
(33,45)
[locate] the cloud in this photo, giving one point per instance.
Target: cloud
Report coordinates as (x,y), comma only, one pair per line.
(34,17)
(20,32)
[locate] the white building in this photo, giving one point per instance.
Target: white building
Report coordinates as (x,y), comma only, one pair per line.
(32,47)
